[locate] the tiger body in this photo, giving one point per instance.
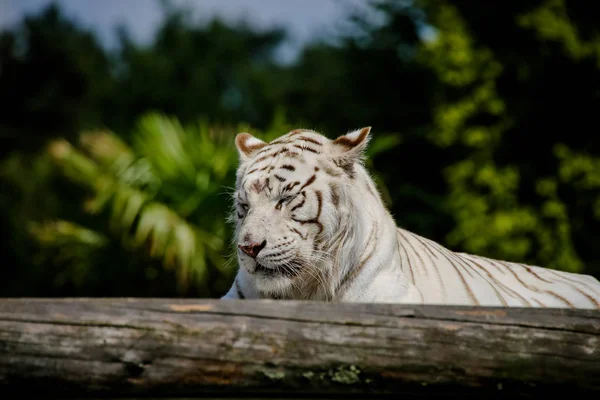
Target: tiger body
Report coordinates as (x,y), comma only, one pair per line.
(311,225)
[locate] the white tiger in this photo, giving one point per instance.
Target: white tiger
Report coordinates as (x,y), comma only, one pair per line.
(310,225)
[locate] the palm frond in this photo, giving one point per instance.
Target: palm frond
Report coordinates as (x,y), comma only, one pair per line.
(138,221)
(68,247)
(61,232)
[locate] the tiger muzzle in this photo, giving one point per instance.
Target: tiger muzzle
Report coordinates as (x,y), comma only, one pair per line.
(253,248)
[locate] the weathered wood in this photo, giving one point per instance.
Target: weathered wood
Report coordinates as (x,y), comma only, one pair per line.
(181,347)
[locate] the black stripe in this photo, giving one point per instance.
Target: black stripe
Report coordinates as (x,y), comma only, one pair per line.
(408,261)
(267,156)
(568,279)
(537,290)
(270,257)
(296,231)
(307,139)
(308,182)
(467,263)
(426,245)
(292,154)
(314,220)
(290,186)
(335,197)
(283,244)
(460,275)
(528,268)
(351,276)
(432,255)
(500,284)
(539,302)
(492,282)
(306,148)
(301,204)
(567,302)
(265,149)
(286,256)
(416,253)
(239,290)
(491,262)
(590,298)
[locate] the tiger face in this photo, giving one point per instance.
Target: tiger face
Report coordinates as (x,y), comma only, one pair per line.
(289,206)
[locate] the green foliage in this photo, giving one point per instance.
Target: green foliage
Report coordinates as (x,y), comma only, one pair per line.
(63,96)
(215,71)
(66,244)
(486,193)
(483,137)
(165,195)
(551,22)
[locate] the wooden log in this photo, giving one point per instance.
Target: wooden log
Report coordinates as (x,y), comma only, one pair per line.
(183,347)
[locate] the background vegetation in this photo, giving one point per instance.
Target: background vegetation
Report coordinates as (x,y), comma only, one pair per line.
(116,166)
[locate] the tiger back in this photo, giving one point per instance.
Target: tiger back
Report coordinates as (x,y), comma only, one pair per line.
(311,225)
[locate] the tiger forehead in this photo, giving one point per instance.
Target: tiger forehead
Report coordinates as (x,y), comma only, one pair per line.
(287,149)
(298,139)
(281,165)
(278,178)
(300,135)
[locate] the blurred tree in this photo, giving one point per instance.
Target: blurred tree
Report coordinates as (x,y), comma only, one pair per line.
(154,209)
(154,196)
(483,118)
(214,71)
(517,80)
(54,78)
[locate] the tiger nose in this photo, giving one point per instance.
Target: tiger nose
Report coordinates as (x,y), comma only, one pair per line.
(253,248)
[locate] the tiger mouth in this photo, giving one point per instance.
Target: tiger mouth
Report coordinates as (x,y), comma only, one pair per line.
(279,270)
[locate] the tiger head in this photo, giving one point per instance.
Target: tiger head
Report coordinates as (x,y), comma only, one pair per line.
(291,206)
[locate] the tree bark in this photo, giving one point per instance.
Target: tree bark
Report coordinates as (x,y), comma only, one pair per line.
(184,347)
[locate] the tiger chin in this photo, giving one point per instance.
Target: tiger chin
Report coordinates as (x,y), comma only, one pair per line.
(311,225)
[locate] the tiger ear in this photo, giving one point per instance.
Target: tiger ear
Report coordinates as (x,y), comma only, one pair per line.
(352,146)
(247,145)
(349,149)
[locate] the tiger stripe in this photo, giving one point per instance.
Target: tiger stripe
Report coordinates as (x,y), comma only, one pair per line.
(314,220)
(304,147)
(239,290)
(355,272)
(334,194)
(303,194)
(431,256)
(409,264)
(329,234)
(308,182)
(501,286)
(467,287)
(296,231)
(415,252)
(561,277)
(590,298)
